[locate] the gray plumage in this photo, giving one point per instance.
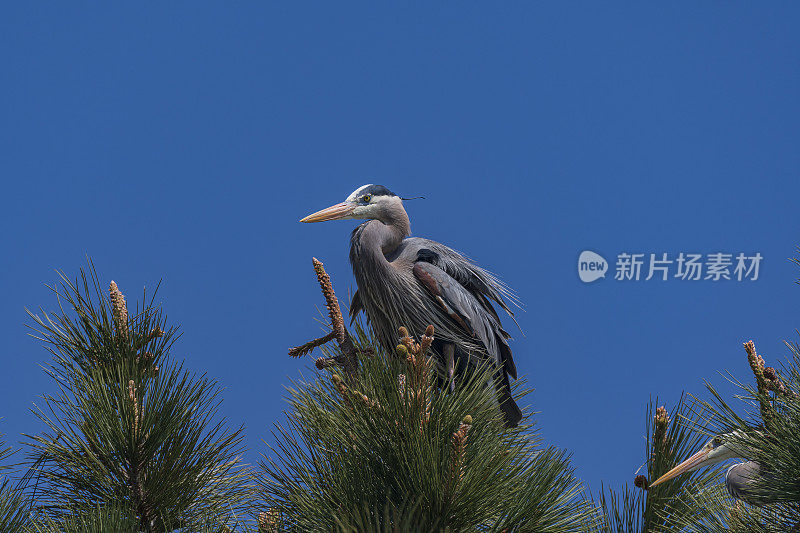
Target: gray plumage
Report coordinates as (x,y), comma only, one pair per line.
(740,478)
(415,282)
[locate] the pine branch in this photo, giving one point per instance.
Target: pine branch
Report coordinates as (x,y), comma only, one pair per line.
(459,448)
(308,347)
(757,366)
(389,451)
(346,358)
(670,440)
(770,437)
(121,433)
(14,503)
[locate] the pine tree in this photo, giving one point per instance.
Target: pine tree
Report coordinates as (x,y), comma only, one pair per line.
(761,424)
(133,440)
(372,444)
(767,431)
(675,504)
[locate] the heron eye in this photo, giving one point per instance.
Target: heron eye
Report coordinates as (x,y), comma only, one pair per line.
(366,198)
(717,441)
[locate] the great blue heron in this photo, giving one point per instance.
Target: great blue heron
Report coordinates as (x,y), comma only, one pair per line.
(414,282)
(739,479)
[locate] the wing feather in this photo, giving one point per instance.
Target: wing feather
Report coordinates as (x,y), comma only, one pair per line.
(356,306)
(475,279)
(461,306)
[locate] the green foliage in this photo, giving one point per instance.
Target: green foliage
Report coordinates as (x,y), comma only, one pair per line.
(731,516)
(766,429)
(108,518)
(117,519)
(669,441)
(131,435)
(14,506)
(391,452)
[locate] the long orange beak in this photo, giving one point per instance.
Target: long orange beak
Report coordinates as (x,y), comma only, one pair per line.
(334,212)
(693,462)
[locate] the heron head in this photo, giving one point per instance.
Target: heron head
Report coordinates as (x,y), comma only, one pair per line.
(716,450)
(367,202)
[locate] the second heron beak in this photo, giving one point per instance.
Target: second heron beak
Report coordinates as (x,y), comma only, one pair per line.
(334,212)
(689,465)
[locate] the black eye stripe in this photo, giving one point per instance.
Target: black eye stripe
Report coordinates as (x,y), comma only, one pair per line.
(377,190)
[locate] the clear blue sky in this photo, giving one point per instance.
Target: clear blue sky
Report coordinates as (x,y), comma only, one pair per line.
(184,142)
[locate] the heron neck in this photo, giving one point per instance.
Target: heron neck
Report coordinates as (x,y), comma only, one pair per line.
(373,240)
(395,228)
(381,239)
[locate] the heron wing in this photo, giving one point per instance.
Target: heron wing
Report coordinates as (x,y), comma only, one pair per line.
(480,282)
(467,311)
(356,306)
